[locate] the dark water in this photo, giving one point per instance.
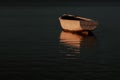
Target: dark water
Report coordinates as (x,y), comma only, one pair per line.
(33,45)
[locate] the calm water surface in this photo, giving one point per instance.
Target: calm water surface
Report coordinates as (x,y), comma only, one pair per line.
(33,45)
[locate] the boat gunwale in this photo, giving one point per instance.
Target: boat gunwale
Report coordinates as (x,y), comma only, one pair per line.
(73,17)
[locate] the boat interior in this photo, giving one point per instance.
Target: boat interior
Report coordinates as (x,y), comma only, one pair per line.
(69,17)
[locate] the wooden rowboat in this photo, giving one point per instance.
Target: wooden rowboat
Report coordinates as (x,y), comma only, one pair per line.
(75,23)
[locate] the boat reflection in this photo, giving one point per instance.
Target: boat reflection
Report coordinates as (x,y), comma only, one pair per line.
(73,42)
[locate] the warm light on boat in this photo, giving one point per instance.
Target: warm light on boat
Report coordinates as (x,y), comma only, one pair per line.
(75,23)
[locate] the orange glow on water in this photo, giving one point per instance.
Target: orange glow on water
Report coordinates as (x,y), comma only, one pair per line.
(74,42)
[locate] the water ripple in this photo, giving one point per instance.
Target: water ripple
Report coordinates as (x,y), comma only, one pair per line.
(72,43)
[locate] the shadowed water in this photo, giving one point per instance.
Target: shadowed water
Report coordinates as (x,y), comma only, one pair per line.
(33,45)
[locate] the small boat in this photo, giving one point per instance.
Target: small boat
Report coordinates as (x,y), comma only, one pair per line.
(75,23)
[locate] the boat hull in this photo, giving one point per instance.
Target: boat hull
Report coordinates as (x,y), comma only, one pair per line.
(77,25)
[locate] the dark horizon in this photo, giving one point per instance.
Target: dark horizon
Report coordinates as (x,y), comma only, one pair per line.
(59,3)
(26,1)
